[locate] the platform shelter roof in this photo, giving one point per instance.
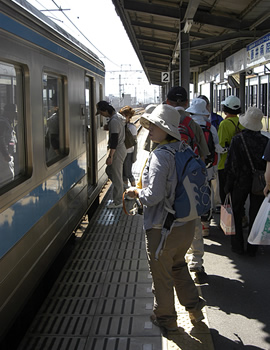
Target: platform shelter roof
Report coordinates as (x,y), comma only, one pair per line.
(215,30)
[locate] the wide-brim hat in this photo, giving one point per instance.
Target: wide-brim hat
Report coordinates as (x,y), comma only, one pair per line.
(148,110)
(165,117)
(198,107)
(252,119)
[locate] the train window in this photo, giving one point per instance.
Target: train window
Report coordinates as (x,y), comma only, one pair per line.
(12,126)
(53,105)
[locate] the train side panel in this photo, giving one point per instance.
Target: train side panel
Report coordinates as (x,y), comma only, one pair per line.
(58,178)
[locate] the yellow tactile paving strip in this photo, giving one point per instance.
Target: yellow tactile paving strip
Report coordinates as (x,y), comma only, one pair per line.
(189,337)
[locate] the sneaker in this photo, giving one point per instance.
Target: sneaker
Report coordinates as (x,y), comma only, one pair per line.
(196,314)
(154,320)
(113,205)
(205,229)
(200,275)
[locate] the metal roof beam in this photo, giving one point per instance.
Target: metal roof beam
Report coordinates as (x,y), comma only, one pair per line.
(152,8)
(232,23)
(201,16)
(156,39)
(200,44)
(154,26)
(154,49)
(150,55)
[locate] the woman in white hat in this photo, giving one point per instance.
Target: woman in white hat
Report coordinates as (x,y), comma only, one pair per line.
(159,181)
(238,173)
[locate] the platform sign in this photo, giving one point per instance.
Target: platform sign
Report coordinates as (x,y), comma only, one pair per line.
(259,51)
(165,77)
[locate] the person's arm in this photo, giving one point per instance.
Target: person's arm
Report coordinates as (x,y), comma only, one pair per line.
(112,144)
(3,145)
(109,159)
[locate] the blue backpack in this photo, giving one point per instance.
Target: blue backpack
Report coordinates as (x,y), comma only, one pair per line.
(193,193)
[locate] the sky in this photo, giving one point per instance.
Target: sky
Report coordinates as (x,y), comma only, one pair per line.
(104,34)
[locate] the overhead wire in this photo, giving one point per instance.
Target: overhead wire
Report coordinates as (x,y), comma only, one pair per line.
(74,25)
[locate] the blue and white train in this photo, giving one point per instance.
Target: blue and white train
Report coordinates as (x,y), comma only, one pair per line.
(52,147)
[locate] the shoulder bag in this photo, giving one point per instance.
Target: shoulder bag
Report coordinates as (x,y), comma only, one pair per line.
(258,180)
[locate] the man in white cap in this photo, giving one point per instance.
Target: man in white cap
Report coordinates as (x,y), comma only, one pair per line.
(227,129)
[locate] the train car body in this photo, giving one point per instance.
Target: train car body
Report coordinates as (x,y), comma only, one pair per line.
(52,147)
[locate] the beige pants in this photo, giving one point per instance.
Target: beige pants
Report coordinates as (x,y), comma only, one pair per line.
(170,270)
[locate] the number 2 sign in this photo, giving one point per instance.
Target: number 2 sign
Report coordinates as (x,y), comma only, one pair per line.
(165,77)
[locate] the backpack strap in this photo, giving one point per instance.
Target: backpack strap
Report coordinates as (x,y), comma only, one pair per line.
(247,152)
(237,129)
(169,219)
(186,122)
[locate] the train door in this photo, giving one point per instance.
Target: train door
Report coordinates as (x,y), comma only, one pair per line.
(91,134)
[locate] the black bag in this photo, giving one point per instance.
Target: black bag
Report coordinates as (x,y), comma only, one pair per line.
(258,182)
(129,138)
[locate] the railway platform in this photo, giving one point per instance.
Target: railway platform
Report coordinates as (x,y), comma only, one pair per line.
(102,298)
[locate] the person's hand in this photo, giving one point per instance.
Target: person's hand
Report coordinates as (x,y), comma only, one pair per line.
(7,158)
(266,189)
(109,161)
(132,192)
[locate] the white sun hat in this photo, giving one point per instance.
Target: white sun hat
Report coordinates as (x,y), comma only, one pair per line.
(149,109)
(198,107)
(252,119)
(165,117)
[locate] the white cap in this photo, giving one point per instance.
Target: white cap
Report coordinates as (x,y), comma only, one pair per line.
(232,102)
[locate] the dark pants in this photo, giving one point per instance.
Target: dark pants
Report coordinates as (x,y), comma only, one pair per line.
(127,168)
(239,197)
(222,181)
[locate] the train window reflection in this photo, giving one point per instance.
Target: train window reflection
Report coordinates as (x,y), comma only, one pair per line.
(12,127)
(53,96)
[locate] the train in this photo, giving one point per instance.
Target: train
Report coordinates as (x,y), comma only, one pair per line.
(52,147)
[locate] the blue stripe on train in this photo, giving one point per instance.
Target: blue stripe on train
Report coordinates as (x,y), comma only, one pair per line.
(23,32)
(18,219)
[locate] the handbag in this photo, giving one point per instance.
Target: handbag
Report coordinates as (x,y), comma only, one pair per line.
(258,180)
(130,140)
(226,216)
(260,231)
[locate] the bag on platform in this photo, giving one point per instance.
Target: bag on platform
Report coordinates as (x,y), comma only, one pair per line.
(260,231)
(226,216)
